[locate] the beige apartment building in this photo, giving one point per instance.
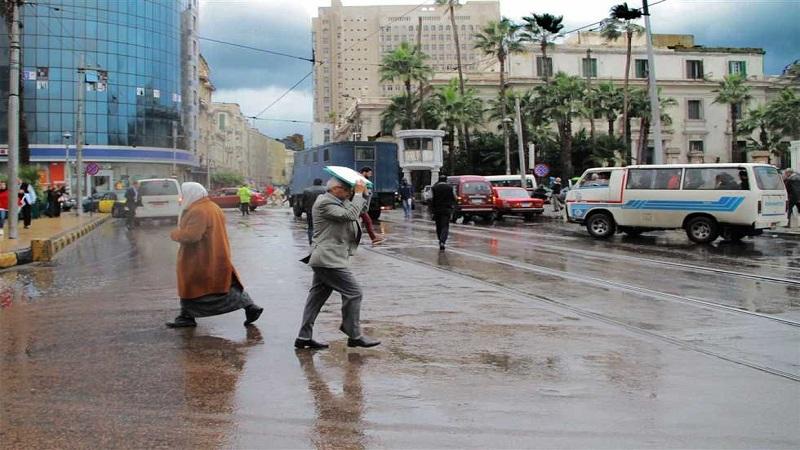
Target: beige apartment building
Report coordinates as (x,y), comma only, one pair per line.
(350,42)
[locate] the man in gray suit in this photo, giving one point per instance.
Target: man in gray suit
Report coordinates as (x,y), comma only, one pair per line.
(336,238)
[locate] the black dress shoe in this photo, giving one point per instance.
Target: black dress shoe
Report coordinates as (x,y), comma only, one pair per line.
(362,342)
(252,314)
(182,322)
(441,246)
(309,343)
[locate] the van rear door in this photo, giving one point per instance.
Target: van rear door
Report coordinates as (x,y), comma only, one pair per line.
(160,198)
(772,196)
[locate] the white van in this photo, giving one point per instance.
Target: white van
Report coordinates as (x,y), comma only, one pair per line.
(707,200)
(512,181)
(161,198)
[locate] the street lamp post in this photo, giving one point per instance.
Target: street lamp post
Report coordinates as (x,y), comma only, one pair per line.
(67,174)
(506,122)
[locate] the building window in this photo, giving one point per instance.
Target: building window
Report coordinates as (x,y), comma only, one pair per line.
(695,110)
(326,155)
(544,66)
(696,146)
(365,153)
(694,69)
(641,66)
(737,111)
(222,118)
(314,156)
(590,67)
(737,68)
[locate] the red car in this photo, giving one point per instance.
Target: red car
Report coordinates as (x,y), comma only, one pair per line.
(229,198)
(514,201)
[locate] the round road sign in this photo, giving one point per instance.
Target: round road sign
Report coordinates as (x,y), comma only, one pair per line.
(541,170)
(92,169)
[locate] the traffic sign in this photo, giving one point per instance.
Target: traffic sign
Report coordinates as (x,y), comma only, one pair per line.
(541,170)
(92,169)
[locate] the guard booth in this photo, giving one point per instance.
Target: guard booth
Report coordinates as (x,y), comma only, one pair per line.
(419,153)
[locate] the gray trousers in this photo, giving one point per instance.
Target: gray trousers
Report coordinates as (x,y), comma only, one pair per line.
(327,280)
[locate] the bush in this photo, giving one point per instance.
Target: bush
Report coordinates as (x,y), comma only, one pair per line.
(226,179)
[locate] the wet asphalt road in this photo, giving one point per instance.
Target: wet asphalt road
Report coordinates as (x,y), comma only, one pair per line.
(520,335)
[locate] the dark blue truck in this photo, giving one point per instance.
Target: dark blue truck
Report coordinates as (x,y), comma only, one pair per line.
(381,156)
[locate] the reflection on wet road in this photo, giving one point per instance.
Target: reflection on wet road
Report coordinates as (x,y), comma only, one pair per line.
(520,335)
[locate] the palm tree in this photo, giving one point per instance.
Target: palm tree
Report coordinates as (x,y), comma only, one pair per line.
(407,64)
(783,114)
(456,111)
(607,100)
(562,100)
(396,113)
(501,39)
(769,139)
(640,107)
(621,22)
(542,28)
(735,93)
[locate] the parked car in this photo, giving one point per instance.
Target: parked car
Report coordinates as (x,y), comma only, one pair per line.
(514,201)
(427,194)
(229,198)
(99,202)
(474,197)
(161,198)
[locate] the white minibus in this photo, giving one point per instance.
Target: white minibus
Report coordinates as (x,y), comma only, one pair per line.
(706,200)
(161,198)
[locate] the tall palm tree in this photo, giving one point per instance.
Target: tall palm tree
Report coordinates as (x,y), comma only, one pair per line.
(608,102)
(768,138)
(735,93)
(542,28)
(620,22)
(456,111)
(501,39)
(562,100)
(640,107)
(783,113)
(396,113)
(407,64)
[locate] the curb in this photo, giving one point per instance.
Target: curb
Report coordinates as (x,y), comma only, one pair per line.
(46,249)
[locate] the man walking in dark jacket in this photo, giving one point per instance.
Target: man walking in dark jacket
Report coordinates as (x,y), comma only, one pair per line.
(310,195)
(792,181)
(132,201)
(443,204)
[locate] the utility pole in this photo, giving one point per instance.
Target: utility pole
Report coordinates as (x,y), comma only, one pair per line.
(520,146)
(655,108)
(174,148)
(13,120)
(79,139)
(67,175)
(589,67)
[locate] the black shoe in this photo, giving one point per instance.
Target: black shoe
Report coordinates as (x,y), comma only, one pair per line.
(441,246)
(252,314)
(309,343)
(362,342)
(182,322)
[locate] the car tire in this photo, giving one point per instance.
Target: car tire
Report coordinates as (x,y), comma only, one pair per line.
(732,234)
(601,225)
(702,230)
(529,217)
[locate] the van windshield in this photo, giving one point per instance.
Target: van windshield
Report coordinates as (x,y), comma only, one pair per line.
(476,187)
(158,188)
(768,178)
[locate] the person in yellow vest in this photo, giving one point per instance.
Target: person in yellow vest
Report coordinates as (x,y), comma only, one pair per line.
(244,199)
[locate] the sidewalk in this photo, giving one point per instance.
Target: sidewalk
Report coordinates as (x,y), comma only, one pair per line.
(47,235)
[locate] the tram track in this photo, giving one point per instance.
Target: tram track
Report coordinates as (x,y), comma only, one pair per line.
(524,295)
(466,231)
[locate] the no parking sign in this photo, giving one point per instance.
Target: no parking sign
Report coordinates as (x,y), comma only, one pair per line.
(541,170)
(92,169)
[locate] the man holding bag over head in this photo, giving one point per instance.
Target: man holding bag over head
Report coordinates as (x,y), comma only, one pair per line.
(208,284)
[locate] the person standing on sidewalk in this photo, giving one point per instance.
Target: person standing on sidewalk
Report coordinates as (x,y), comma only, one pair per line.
(555,197)
(244,194)
(406,197)
(336,238)
(133,200)
(3,205)
(443,204)
(27,198)
(366,172)
(208,284)
(792,182)
(310,195)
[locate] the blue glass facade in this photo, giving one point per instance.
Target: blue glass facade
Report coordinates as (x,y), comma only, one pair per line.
(134,82)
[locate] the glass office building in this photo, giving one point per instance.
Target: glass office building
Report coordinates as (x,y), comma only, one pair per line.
(134,55)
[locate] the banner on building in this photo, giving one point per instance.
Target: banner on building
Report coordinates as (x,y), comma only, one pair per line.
(29,75)
(42,77)
(102,80)
(140,92)
(176,98)
(156,93)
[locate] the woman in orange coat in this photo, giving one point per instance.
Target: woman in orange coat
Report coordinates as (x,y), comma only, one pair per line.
(208,284)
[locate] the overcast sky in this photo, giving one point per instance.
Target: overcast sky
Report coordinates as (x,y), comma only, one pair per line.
(254,79)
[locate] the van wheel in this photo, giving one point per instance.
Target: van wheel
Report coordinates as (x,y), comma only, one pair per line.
(601,225)
(702,230)
(466,219)
(732,234)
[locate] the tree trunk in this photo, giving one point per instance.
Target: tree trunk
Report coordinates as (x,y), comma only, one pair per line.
(734,149)
(644,135)
(611,126)
(456,40)
(625,123)
(543,46)
(409,113)
(420,113)
(565,129)
(451,158)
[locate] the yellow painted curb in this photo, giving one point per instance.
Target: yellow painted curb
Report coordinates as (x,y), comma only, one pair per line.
(8,260)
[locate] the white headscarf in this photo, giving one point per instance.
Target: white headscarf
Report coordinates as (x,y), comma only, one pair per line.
(192,192)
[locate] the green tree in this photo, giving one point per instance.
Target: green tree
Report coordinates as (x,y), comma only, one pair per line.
(407,64)
(768,139)
(619,23)
(640,107)
(783,114)
(500,39)
(456,111)
(397,113)
(542,28)
(561,100)
(734,92)
(607,101)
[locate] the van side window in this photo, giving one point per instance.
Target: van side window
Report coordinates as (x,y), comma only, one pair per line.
(768,178)
(717,178)
(596,179)
(666,179)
